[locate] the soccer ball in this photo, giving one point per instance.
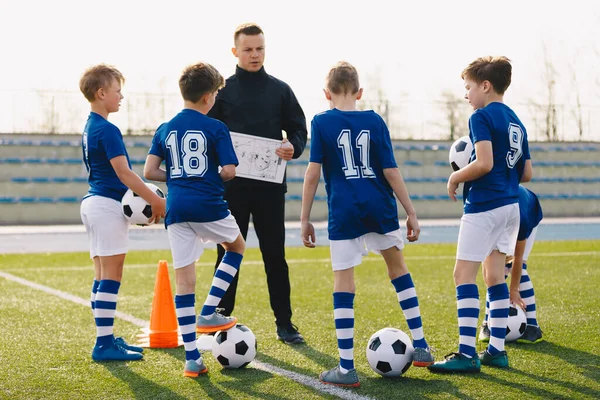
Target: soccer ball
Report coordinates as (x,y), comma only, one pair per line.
(234,347)
(389,352)
(517,322)
(136,209)
(460,153)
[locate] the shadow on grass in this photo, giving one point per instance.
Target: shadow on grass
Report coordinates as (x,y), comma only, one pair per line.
(241,380)
(411,387)
(324,360)
(524,388)
(587,363)
(141,387)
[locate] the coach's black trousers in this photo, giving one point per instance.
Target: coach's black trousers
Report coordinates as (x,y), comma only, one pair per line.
(267,207)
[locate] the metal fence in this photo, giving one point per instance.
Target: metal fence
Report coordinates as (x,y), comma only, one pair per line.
(141,113)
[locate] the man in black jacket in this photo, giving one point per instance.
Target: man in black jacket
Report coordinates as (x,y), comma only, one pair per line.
(255,103)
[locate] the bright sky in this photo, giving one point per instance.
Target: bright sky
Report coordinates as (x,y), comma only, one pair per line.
(418,47)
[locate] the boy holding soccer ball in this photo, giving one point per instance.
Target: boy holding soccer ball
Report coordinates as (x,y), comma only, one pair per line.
(521,288)
(109,176)
(490,222)
(355,151)
(193,147)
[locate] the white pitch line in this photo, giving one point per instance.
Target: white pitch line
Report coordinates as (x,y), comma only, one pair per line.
(303,261)
(299,378)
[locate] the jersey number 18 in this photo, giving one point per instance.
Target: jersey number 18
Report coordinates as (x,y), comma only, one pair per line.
(191,158)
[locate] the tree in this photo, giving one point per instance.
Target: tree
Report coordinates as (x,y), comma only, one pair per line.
(547,109)
(456,114)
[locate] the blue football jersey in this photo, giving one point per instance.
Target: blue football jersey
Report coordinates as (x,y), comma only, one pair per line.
(354,147)
(531,212)
(193,147)
(499,124)
(101,142)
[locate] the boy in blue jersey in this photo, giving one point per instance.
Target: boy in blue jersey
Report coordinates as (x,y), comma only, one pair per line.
(521,288)
(361,176)
(109,177)
(193,147)
(490,222)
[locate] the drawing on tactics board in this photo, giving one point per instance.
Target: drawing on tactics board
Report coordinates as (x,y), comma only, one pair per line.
(257,158)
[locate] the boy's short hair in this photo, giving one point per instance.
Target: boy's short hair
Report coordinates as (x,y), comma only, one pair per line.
(199,79)
(496,70)
(342,79)
(96,77)
(250,29)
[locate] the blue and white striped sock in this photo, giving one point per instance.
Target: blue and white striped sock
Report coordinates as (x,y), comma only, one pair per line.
(93,297)
(507,268)
(343,314)
(186,317)
(528,296)
(467,302)
(105,309)
(499,303)
(409,302)
(222,279)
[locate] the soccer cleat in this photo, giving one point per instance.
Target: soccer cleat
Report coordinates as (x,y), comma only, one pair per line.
(194,368)
(532,334)
(289,334)
(422,357)
(336,377)
(122,343)
(114,352)
(484,333)
(500,360)
(456,362)
(214,322)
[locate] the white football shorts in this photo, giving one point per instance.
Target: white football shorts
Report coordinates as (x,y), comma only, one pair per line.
(187,238)
(481,233)
(106,226)
(529,244)
(348,253)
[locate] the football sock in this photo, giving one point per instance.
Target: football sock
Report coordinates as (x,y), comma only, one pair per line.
(186,317)
(343,314)
(407,297)
(93,297)
(499,303)
(507,268)
(526,291)
(223,276)
(105,309)
(467,303)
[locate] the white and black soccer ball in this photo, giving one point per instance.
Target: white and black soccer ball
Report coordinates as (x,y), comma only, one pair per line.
(517,323)
(234,347)
(136,209)
(460,153)
(389,352)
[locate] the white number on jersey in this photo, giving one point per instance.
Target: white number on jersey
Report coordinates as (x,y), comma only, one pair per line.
(515,136)
(191,158)
(363,141)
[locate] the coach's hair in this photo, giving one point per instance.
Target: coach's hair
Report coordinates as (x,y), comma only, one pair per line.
(250,29)
(496,70)
(96,77)
(342,79)
(199,79)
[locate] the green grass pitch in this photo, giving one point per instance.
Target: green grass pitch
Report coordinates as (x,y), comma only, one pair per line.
(46,341)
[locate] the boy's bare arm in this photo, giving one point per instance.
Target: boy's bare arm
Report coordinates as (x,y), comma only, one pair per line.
(309,189)
(515,274)
(394,178)
(527,171)
(227,172)
(152,169)
(137,185)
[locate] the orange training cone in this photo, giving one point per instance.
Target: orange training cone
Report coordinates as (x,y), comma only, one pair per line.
(163,331)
